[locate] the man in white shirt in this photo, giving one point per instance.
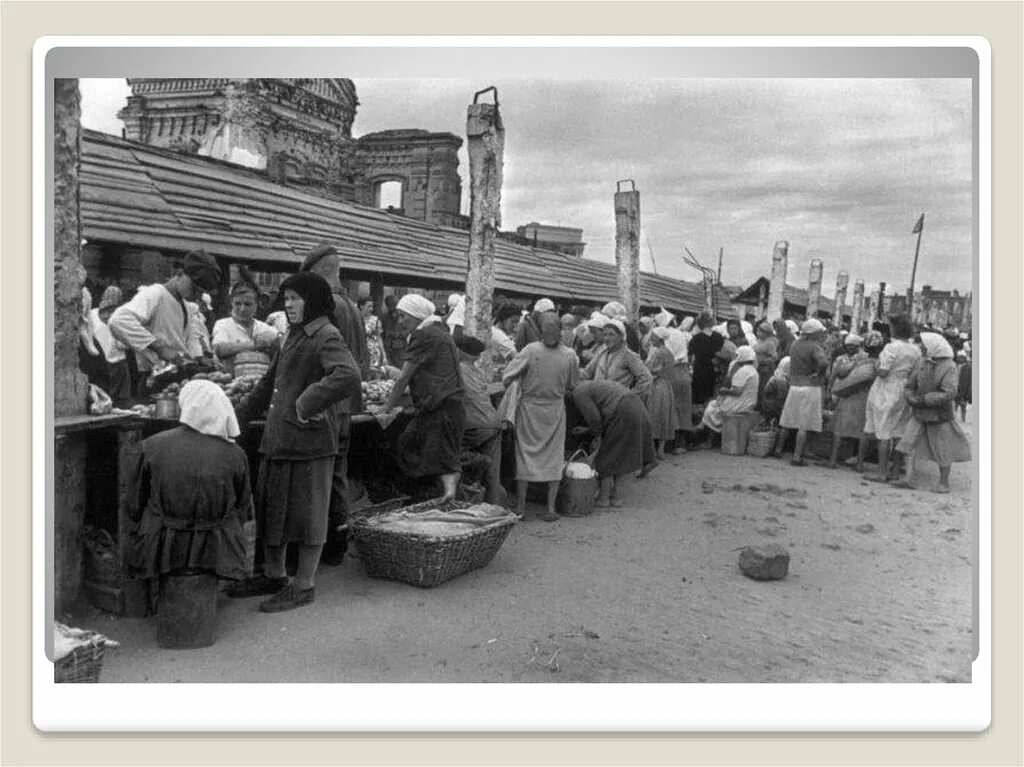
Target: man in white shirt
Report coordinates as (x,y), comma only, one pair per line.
(157,324)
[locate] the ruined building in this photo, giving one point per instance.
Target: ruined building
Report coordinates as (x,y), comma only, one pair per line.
(564,239)
(299,132)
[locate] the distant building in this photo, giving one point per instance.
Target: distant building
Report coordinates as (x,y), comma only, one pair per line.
(939,308)
(298,132)
(564,239)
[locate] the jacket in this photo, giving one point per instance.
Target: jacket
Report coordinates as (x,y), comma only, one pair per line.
(311,373)
(931,389)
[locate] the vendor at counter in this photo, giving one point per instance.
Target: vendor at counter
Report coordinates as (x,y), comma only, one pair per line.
(483,424)
(242,332)
(431,443)
(157,324)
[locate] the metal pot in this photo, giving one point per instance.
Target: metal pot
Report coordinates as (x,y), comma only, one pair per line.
(167,407)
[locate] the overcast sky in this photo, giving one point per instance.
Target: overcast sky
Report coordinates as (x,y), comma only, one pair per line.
(840,168)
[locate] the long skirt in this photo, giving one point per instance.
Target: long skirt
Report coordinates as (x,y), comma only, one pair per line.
(849,414)
(626,444)
(945,442)
(715,412)
(292,498)
(431,443)
(682,395)
(540,439)
(802,409)
(661,408)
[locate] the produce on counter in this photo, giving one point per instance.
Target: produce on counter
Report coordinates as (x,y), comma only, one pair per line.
(376,393)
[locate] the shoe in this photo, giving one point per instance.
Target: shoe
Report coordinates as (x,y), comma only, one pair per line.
(798,462)
(260,586)
(288,598)
(647,469)
(549,516)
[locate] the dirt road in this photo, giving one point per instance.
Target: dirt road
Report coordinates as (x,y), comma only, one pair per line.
(879,590)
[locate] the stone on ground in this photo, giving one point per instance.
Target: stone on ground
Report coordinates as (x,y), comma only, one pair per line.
(769,562)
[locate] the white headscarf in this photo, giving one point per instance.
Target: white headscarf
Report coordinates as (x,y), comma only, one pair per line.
(416,306)
(206,408)
(793,327)
(678,343)
(744,354)
(457,315)
(619,326)
(662,333)
(544,305)
(852,339)
(597,320)
(663,318)
(811,326)
(936,347)
(687,324)
(613,310)
(782,370)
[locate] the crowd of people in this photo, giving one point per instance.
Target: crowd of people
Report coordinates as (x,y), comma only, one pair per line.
(629,394)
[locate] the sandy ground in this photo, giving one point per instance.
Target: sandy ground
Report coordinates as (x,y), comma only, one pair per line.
(879,590)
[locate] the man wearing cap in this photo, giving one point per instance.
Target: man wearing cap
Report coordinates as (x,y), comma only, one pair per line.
(529,329)
(808,364)
(157,323)
(431,443)
(325,261)
(483,424)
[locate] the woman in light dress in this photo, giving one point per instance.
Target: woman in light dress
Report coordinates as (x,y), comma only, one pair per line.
(887,413)
(661,402)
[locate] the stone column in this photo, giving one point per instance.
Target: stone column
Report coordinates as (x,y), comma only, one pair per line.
(814,288)
(762,301)
(777,287)
(872,311)
(70,386)
(842,281)
(627,249)
(485,145)
(857,311)
(881,309)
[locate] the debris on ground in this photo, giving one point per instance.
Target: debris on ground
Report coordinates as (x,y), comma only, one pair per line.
(769,562)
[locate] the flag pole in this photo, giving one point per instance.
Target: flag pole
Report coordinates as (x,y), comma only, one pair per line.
(920,228)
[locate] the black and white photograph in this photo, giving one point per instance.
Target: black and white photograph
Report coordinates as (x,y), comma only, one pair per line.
(514,380)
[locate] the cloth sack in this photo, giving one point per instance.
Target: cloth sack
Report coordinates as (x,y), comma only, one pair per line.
(858,379)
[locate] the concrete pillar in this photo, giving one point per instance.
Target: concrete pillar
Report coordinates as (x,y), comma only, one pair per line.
(70,386)
(857,312)
(762,301)
(777,286)
(627,249)
(814,288)
(485,145)
(882,315)
(842,281)
(872,311)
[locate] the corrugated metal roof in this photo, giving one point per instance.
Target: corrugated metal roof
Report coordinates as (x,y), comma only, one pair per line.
(147,197)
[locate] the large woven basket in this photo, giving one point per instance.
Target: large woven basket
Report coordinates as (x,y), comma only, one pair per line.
(761,440)
(84,662)
(424,560)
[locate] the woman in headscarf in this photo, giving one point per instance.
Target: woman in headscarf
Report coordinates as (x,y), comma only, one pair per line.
(313,372)
(109,368)
(850,402)
(734,332)
(568,329)
(773,399)
(528,330)
(767,352)
(613,310)
(242,332)
(678,343)
(808,368)
(623,443)
(933,432)
(646,326)
(190,494)
(887,412)
(374,334)
(456,319)
(616,362)
(964,392)
(431,443)
(591,340)
(703,347)
(739,396)
(661,401)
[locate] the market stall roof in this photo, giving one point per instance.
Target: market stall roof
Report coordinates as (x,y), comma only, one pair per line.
(143,196)
(795,298)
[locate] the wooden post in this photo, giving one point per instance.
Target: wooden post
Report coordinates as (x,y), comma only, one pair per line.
(70,386)
(842,281)
(814,288)
(777,288)
(485,145)
(857,312)
(627,249)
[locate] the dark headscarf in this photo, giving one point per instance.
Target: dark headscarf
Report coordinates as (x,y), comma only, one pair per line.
(315,292)
(202,268)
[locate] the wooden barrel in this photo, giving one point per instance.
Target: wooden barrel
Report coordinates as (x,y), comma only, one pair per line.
(187,611)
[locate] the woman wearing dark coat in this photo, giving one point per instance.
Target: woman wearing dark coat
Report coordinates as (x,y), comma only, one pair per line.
(310,375)
(704,345)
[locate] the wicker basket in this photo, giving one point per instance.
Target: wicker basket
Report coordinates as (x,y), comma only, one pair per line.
(424,560)
(761,441)
(84,662)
